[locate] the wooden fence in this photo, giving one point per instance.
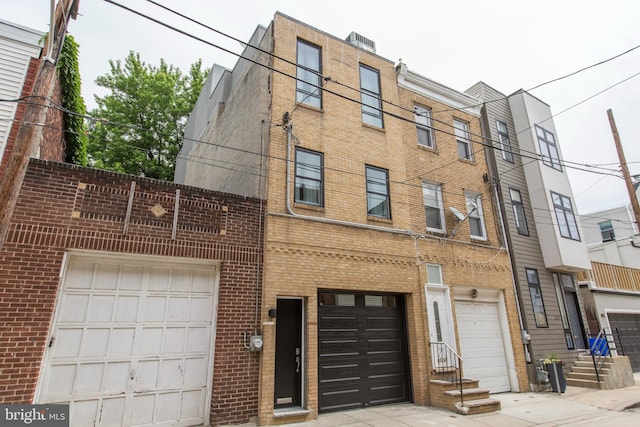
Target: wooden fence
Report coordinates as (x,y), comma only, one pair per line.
(612,277)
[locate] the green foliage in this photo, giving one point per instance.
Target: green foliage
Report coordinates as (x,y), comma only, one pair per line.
(69,74)
(143,116)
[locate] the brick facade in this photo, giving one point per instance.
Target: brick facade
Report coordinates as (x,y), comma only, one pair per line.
(64,207)
(53,145)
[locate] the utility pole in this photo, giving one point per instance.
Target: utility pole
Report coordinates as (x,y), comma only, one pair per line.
(625,169)
(29,134)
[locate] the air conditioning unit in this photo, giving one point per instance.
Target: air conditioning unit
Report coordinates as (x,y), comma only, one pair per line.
(361,42)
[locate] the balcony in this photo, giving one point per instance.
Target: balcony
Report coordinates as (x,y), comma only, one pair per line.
(611,276)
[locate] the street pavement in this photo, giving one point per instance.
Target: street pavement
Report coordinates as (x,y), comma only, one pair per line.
(576,407)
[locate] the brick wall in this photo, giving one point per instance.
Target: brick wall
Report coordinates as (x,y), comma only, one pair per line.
(63,207)
(53,145)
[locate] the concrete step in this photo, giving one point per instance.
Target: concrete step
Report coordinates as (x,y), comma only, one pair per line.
(584,384)
(589,363)
(590,370)
(590,376)
(448,385)
(469,393)
(478,406)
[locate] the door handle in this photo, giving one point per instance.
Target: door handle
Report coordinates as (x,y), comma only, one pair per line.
(297,364)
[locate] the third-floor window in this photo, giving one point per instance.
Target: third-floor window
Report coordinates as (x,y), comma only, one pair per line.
(462,139)
(423,127)
(548,148)
(370,96)
(308,74)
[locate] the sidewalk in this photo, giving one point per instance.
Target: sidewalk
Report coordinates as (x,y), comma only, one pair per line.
(577,407)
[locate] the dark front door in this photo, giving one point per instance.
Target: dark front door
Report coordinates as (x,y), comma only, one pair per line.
(625,328)
(575,319)
(362,354)
(288,353)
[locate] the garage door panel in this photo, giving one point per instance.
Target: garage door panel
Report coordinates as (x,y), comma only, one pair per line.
(626,332)
(339,348)
(132,343)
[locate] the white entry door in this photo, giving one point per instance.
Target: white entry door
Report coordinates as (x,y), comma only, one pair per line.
(482,344)
(440,321)
(132,342)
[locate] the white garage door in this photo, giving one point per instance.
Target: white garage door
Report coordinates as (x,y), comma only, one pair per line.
(132,343)
(481,345)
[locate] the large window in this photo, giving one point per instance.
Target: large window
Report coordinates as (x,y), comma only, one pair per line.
(308,184)
(568,336)
(565,216)
(378,192)
(308,74)
(548,148)
(505,143)
(433,206)
(536,298)
(370,96)
(518,212)
(462,139)
(475,216)
(423,127)
(606,228)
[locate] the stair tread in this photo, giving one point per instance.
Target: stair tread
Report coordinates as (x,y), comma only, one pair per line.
(466,391)
(481,402)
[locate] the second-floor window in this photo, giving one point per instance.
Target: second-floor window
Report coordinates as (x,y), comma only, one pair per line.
(378,192)
(370,96)
(423,127)
(433,206)
(475,216)
(462,139)
(309,188)
(518,212)
(505,143)
(606,228)
(565,216)
(548,148)
(308,74)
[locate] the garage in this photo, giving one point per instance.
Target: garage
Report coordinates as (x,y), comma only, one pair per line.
(626,333)
(362,350)
(132,333)
(482,345)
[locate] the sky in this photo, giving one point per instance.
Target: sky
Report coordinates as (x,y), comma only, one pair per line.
(508,44)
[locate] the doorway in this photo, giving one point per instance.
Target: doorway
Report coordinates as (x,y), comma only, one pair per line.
(289,357)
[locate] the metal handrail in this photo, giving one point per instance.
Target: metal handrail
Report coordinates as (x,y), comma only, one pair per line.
(599,352)
(447,364)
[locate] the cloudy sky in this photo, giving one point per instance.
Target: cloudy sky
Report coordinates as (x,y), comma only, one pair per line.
(507,44)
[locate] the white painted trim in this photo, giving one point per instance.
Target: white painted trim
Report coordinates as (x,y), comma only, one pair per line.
(449,313)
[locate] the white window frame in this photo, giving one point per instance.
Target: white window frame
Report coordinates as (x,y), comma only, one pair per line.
(505,142)
(461,130)
(437,188)
(475,214)
(424,124)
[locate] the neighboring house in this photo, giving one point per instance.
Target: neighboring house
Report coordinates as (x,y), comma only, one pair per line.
(612,289)
(131,299)
(365,265)
(20,50)
(546,242)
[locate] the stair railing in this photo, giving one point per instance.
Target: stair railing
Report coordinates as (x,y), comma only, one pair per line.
(600,348)
(447,364)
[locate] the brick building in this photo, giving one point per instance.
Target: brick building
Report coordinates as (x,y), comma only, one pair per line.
(382,248)
(119,292)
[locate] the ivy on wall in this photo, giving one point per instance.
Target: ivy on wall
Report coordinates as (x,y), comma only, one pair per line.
(69,74)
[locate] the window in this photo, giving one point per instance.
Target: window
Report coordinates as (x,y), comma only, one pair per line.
(563,311)
(434,274)
(548,148)
(370,96)
(308,183)
(462,139)
(423,126)
(518,212)
(433,206)
(505,143)
(564,215)
(606,228)
(308,74)
(475,216)
(536,298)
(378,192)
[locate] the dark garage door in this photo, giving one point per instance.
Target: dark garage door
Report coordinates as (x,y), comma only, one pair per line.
(362,353)
(626,332)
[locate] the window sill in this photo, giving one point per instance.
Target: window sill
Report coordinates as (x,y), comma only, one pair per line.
(378,219)
(480,240)
(433,150)
(304,206)
(439,233)
(372,127)
(467,161)
(309,107)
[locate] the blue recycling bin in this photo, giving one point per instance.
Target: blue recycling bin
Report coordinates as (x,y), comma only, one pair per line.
(599,346)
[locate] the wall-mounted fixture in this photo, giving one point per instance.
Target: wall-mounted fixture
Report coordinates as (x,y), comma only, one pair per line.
(272,313)
(253,342)
(474,293)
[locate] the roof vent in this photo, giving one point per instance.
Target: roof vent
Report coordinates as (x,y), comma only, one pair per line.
(361,42)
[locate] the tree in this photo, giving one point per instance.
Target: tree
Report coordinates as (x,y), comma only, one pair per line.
(140,124)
